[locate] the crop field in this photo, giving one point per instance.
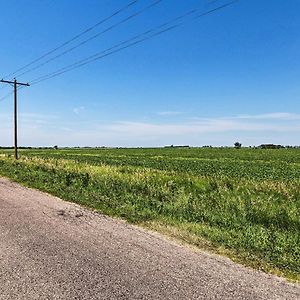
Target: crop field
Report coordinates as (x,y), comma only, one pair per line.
(242,203)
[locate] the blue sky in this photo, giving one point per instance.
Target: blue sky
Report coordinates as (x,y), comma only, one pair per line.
(229,76)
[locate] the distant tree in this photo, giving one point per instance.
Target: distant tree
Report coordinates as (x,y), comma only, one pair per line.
(237,145)
(270,146)
(55,147)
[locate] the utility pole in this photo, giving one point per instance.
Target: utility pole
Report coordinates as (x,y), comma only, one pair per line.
(16,84)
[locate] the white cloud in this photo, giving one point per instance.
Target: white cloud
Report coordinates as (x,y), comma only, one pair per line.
(272,116)
(36,130)
(204,126)
(169,113)
(78,110)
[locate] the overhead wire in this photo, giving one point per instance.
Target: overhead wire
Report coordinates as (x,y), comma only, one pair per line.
(131,42)
(119,44)
(6,96)
(74,38)
(93,37)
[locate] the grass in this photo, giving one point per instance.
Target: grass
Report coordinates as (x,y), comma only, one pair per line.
(241,203)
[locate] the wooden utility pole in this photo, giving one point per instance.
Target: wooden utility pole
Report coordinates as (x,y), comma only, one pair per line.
(15,83)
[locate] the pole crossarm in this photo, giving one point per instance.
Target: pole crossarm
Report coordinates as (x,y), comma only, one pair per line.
(12,82)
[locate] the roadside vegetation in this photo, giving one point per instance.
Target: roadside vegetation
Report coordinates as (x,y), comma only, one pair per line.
(244,203)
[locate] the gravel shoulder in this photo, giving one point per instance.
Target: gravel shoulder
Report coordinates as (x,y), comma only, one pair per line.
(52,249)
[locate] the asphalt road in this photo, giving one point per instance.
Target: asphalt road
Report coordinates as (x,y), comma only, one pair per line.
(51,249)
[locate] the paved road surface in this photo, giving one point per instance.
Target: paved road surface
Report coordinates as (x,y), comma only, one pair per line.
(51,249)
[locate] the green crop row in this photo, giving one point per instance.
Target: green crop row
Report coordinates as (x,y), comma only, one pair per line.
(231,166)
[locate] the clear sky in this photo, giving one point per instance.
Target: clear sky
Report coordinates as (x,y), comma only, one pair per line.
(226,77)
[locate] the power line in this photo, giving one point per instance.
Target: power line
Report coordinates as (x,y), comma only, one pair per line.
(132,41)
(6,96)
(96,56)
(10,93)
(74,38)
(93,37)
(2,87)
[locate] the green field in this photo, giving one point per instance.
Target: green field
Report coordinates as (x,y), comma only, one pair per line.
(243,203)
